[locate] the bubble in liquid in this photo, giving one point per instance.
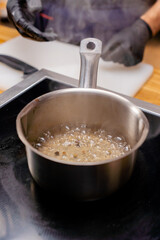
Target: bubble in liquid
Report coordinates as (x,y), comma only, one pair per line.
(67,128)
(81,144)
(42,140)
(37,145)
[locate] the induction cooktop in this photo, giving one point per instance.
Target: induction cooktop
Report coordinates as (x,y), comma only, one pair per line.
(28,212)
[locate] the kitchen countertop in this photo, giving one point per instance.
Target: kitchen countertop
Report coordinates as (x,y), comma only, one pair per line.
(150,91)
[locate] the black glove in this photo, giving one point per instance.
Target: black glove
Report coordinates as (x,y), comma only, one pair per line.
(22,13)
(127,46)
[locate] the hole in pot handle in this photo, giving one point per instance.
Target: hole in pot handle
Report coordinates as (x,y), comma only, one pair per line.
(90,52)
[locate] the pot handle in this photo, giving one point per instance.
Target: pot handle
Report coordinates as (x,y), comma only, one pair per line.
(90,52)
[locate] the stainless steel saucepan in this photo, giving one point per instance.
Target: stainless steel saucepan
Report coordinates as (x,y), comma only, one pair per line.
(93,107)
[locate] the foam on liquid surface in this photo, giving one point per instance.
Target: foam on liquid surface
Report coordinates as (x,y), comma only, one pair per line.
(81,144)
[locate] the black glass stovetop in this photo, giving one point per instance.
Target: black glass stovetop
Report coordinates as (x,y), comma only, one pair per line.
(28,212)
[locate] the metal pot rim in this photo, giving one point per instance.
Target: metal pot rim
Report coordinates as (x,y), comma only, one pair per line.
(49,95)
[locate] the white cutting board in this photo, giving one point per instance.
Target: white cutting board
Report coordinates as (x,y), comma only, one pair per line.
(65,59)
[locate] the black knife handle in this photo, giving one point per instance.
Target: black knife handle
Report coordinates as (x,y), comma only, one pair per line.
(17,64)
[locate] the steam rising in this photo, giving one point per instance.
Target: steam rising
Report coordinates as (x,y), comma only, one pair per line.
(74,20)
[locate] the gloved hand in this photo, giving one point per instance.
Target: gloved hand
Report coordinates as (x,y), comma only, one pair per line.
(127,46)
(22,14)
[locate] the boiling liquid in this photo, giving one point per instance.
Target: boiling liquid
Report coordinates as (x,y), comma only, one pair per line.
(81,144)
